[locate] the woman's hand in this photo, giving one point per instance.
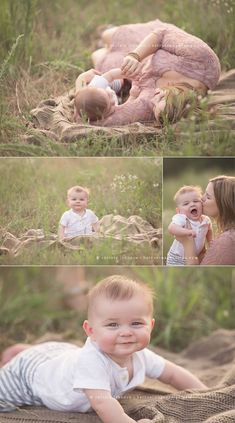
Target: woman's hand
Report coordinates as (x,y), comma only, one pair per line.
(130,66)
(189,245)
(189,249)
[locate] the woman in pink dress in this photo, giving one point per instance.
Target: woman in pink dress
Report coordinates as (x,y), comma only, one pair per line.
(219,204)
(167,67)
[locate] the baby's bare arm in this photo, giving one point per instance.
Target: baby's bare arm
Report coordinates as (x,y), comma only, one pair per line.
(107,407)
(85,78)
(177,230)
(113,74)
(180,378)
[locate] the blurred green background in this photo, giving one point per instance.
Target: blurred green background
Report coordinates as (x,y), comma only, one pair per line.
(35,301)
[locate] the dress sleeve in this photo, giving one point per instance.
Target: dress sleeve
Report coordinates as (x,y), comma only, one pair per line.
(221,250)
(138,110)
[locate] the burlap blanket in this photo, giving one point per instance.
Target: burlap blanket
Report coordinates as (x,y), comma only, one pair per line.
(211,358)
(119,229)
(54,117)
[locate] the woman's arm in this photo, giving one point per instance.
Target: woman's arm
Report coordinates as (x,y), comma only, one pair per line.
(189,249)
(148,46)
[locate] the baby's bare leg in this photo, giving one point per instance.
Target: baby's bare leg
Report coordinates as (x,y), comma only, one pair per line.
(11,352)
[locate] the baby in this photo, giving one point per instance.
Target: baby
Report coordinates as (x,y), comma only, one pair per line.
(188,221)
(78,220)
(96,95)
(114,359)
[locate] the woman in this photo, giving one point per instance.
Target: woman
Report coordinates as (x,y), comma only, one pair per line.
(168,67)
(219,204)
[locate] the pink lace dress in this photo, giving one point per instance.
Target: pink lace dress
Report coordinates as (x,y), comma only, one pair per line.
(221,250)
(177,51)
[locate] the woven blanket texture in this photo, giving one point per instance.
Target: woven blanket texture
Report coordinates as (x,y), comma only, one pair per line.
(133,229)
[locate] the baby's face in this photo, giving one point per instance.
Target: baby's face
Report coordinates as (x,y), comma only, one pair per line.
(121,327)
(190,204)
(77,201)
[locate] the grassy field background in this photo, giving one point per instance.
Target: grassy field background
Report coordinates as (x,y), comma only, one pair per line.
(38,190)
(45,44)
(188,304)
(188,171)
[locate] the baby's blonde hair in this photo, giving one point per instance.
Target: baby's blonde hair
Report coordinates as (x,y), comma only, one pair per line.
(78,188)
(91,103)
(187,188)
(118,287)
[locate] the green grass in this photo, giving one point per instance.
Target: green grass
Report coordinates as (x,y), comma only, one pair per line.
(58,38)
(188,304)
(37,199)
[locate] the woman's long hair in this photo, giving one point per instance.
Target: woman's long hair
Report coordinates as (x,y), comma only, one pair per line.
(181,99)
(224,191)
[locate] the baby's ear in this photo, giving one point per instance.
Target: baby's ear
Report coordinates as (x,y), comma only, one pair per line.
(152,323)
(87,328)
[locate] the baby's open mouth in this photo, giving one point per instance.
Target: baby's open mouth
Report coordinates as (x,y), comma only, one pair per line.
(194,211)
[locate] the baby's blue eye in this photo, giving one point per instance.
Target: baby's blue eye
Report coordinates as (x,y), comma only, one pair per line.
(112,325)
(137,323)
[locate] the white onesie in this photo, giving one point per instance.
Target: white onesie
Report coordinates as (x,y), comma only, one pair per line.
(77,225)
(175,256)
(100,82)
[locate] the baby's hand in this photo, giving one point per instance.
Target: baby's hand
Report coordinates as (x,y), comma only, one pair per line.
(130,66)
(89,75)
(193,234)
